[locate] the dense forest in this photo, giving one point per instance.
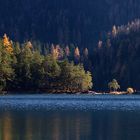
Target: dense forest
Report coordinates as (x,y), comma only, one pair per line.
(81,22)
(118,56)
(39,66)
(24,68)
(51,35)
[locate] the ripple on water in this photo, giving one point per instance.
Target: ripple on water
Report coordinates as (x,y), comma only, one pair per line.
(70,102)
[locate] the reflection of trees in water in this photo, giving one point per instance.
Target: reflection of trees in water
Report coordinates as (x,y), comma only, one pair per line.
(51,127)
(72,126)
(6,127)
(68,126)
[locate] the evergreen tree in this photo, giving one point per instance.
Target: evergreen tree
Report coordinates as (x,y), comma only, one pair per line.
(37,70)
(6,71)
(23,67)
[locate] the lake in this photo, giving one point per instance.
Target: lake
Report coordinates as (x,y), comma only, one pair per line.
(70,117)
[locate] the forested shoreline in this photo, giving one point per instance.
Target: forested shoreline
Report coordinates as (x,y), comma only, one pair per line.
(89,35)
(34,66)
(24,68)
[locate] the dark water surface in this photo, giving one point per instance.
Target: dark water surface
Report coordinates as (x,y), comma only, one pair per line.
(70,117)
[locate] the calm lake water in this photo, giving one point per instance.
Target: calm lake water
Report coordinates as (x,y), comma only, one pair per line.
(70,117)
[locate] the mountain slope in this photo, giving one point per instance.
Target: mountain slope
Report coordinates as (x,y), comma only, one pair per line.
(118,57)
(75,21)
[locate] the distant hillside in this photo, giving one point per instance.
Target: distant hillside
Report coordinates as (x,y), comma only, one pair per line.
(82,22)
(118,57)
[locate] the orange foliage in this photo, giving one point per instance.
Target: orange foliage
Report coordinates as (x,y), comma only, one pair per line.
(114,31)
(77,53)
(54,51)
(29,44)
(7,44)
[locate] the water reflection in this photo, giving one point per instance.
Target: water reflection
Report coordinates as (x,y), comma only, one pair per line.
(100,125)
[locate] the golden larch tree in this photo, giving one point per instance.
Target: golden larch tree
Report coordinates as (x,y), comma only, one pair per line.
(54,51)
(29,44)
(114,31)
(7,44)
(77,53)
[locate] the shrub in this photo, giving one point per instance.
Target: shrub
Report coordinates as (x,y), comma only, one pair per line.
(130,90)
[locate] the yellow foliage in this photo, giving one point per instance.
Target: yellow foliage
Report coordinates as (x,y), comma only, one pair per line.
(114,31)
(55,52)
(130,90)
(7,44)
(29,44)
(77,53)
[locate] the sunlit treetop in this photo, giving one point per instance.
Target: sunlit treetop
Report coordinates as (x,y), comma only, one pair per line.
(7,44)
(114,31)
(54,51)
(29,44)
(77,53)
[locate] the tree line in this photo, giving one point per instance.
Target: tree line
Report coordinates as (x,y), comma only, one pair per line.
(38,66)
(76,21)
(25,68)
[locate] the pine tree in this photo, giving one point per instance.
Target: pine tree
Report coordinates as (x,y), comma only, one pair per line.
(6,70)
(23,68)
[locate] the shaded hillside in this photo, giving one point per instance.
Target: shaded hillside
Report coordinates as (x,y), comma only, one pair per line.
(118,57)
(76,21)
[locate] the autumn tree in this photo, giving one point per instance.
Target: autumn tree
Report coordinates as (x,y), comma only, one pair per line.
(29,45)
(114,31)
(54,51)
(59,51)
(7,44)
(77,55)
